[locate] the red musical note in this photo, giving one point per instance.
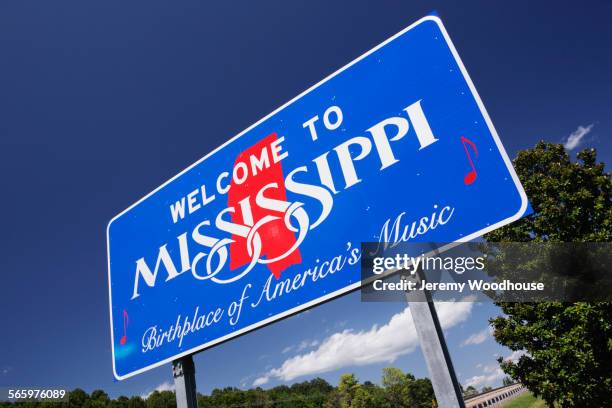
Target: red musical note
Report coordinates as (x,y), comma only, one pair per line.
(125,325)
(471,176)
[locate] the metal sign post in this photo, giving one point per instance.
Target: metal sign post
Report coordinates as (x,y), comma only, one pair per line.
(431,337)
(183,371)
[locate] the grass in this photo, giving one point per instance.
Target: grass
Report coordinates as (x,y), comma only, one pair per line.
(526,400)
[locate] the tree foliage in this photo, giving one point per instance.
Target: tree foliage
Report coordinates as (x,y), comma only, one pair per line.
(470,391)
(567,346)
(571,200)
(316,393)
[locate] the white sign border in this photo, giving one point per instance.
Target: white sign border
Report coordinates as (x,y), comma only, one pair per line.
(355,285)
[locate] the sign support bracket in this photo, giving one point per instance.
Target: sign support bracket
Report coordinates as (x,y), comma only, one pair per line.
(183,371)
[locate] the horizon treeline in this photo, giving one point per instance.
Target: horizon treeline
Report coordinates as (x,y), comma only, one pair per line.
(397,389)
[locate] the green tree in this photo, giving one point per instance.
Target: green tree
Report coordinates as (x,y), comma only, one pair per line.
(256,398)
(469,391)
(333,400)
(204,401)
(136,402)
(397,386)
(161,399)
(122,401)
(347,388)
(309,393)
(316,393)
(421,393)
(369,395)
(486,388)
(280,396)
(98,399)
(99,395)
(362,399)
(77,398)
(230,396)
(568,346)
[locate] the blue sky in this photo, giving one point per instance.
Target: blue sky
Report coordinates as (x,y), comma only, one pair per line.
(102,102)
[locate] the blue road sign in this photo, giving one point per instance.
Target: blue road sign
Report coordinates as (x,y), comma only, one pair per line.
(395,146)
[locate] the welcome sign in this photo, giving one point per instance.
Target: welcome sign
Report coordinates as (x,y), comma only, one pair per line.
(394,147)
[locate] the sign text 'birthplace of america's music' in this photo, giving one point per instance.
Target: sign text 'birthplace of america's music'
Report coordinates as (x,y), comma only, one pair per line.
(395,146)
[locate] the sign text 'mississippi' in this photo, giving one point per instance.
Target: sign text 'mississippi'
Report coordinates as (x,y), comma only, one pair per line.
(377,140)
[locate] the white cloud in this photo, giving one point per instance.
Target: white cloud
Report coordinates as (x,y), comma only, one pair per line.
(246,381)
(514,357)
(491,373)
(575,138)
(165,386)
(379,344)
(307,344)
(261,381)
(478,338)
(304,344)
